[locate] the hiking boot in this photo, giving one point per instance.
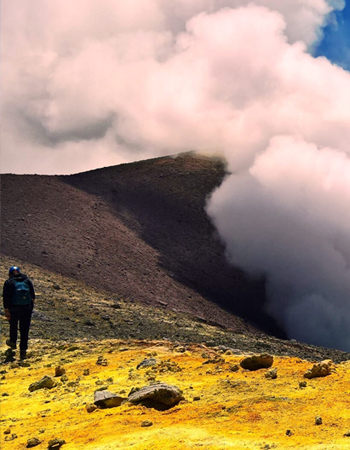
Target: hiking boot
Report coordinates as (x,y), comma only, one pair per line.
(23,354)
(11,344)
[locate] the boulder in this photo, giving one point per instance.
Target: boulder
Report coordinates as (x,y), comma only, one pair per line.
(160,393)
(106,399)
(256,362)
(321,369)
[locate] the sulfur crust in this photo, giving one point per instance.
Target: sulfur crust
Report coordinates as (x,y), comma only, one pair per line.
(223,409)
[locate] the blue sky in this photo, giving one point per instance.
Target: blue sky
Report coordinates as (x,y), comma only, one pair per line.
(336,43)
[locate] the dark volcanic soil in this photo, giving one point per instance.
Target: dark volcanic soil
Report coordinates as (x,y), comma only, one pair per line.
(139,230)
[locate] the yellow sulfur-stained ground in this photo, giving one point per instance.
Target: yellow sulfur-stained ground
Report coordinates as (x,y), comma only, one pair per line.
(223,408)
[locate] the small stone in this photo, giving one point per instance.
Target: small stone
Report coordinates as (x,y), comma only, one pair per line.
(55,444)
(146,423)
(45,383)
(11,438)
(64,378)
(347,434)
(147,363)
(86,372)
(289,433)
(302,384)
(90,407)
(101,361)
(7,431)
(181,349)
(196,399)
(59,371)
(33,442)
(5,394)
(271,374)
(318,420)
(234,368)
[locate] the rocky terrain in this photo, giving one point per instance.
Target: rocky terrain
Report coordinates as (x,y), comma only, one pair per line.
(67,310)
(53,399)
(134,293)
(137,230)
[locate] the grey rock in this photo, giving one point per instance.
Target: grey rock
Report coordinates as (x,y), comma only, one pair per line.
(38,315)
(160,393)
(256,362)
(147,363)
(45,383)
(106,399)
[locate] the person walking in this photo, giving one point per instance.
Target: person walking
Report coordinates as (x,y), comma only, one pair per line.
(18,300)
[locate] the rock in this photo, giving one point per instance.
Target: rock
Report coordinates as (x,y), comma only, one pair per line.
(90,407)
(271,374)
(146,423)
(302,384)
(45,383)
(86,372)
(106,399)
(115,306)
(101,361)
(347,434)
(33,442)
(147,363)
(160,393)
(318,420)
(11,438)
(288,433)
(7,431)
(256,362)
(321,369)
(55,444)
(59,371)
(234,368)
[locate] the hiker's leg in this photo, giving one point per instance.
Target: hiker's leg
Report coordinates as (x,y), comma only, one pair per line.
(24,325)
(13,327)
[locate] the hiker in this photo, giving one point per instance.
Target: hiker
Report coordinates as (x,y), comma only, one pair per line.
(18,298)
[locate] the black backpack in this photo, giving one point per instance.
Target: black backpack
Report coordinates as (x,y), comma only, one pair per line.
(21,295)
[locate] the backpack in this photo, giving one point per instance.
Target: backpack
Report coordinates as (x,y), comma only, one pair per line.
(21,295)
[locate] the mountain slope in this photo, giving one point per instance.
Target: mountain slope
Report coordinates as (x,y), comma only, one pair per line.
(139,230)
